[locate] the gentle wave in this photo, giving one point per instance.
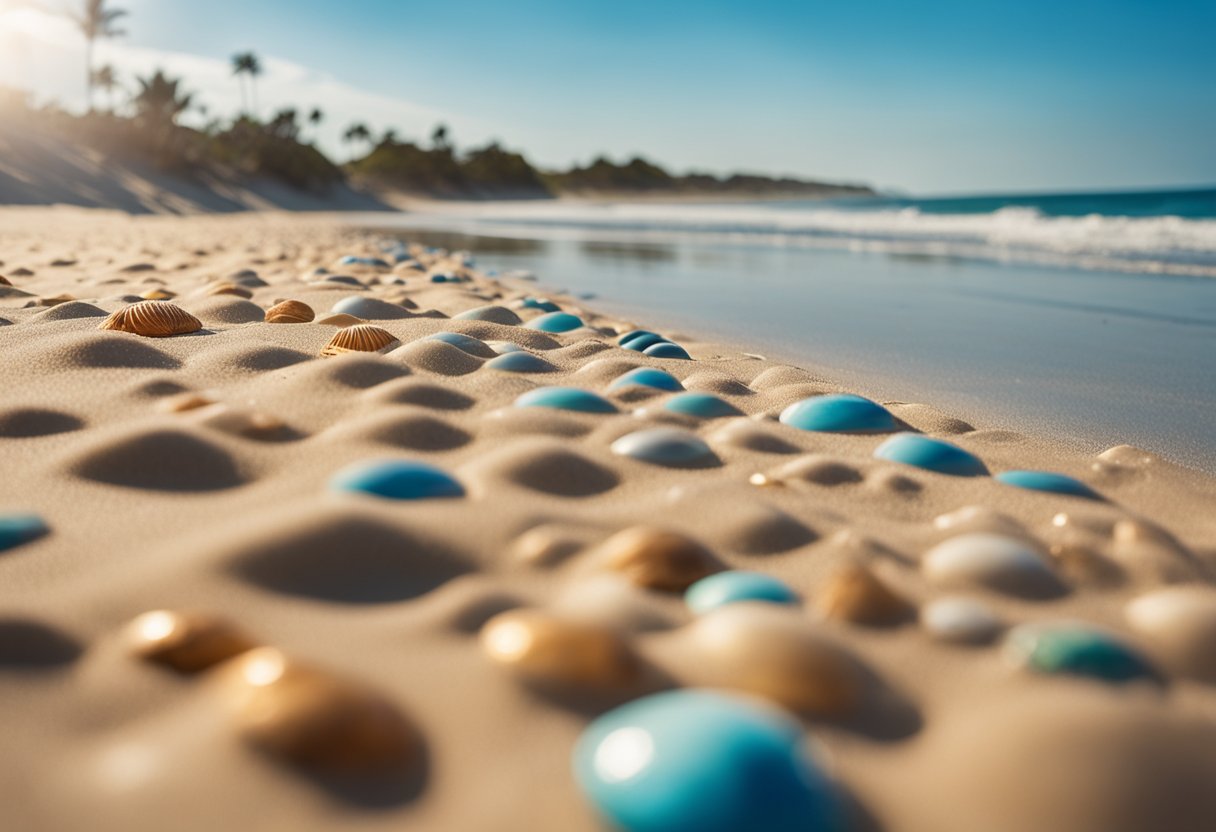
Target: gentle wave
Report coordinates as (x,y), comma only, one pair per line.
(1166,244)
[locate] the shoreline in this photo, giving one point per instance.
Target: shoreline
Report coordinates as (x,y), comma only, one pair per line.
(229,506)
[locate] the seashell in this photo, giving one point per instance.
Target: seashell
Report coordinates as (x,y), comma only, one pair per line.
(519,361)
(704,760)
(360,338)
(158,294)
(249,423)
(857,595)
(665,349)
(1077,649)
(184,641)
(994,561)
(1180,624)
(370,308)
(153,319)
(180,403)
(18,529)
(1049,482)
(315,719)
(930,454)
(643,341)
(338,319)
(737,585)
(547,650)
(658,559)
(838,413)
(701,406)
(647,377)
(670,447)
(555,322)
(960,620)
(4,281)
(464,343)
(229,289)
(566,398)
(394,479)
(492,314)
(290,312)
(775,653)
(55,300)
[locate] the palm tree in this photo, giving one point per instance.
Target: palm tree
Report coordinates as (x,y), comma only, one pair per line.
(439,138)
(107,79)
(247,63)
(95,21)
(315,117)
(357,132)
(390,137)
(161,99)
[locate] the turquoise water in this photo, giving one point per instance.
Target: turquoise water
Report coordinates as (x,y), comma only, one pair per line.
(1187,204)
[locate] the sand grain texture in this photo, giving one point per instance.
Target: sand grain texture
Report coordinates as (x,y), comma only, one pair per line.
(227,509)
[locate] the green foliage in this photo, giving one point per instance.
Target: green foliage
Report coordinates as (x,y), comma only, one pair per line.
(488,172)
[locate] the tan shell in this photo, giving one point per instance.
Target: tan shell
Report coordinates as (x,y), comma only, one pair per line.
(181,402)
(312,718)
(229,289)
(187,642)
(658,559)
(552,651)
(153,319)
(289,312)
(339,319)
(857,595)
(55,300)
(158,294)
(359,338)
(775,653)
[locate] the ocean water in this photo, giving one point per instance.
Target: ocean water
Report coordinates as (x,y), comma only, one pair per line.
(1161,232)
(1078,331)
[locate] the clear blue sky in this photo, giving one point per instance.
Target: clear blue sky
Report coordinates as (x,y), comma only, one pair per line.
(931,96)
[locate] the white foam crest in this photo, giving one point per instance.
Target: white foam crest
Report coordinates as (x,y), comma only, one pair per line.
(1165,244)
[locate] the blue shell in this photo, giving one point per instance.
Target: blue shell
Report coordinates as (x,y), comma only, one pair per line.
(666,349)
(541,304)
(16,529)
(520,362)
(1047,481)
(724,588)
(647,377)
(838,413)
(465,343)
(701,405)
(673,447)
(930,454)
(704,761)
(1077,651)
(565,398)
(396,479)
(641,342)
(637,333)
(352,260)
(556,322)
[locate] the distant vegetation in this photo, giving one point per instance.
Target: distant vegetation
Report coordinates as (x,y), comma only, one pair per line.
(146,127)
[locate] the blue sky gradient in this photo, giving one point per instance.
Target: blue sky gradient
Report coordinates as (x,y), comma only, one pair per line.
(932,96)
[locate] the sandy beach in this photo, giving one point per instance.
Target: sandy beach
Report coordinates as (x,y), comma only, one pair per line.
(959,651)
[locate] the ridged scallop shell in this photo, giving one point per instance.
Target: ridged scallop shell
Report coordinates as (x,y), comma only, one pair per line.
(158,294)
(359,338)
(289,312)
(229,289)
(153,319)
